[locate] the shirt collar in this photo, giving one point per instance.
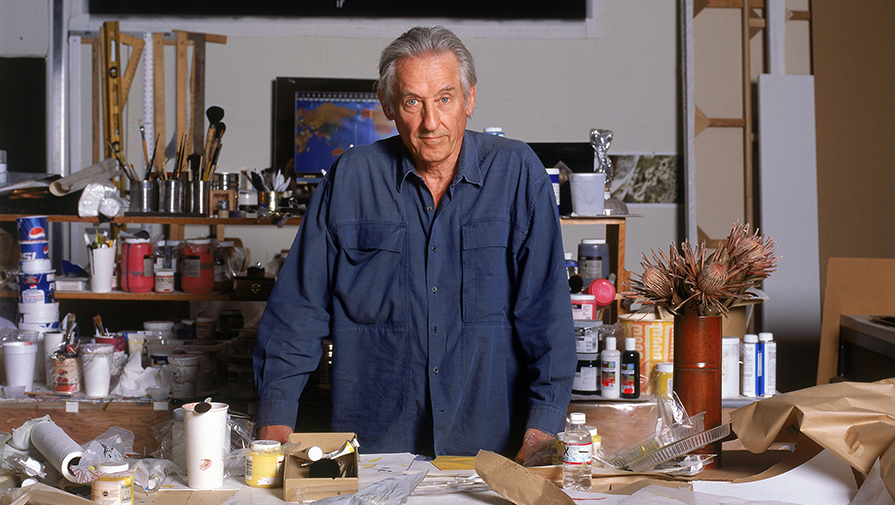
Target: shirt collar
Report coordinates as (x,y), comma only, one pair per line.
(468,171)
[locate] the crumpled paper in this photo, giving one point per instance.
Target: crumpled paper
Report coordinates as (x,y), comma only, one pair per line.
(100,199)
(854,420)
(135,379)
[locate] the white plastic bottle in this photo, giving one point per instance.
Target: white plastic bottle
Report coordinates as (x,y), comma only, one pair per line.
(769,368)
(610,365)
(750,365)
(577,454)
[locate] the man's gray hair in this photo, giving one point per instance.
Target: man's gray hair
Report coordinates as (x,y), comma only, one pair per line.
(421,41)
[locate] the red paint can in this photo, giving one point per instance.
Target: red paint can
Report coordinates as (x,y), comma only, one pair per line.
(136,266)
(197,266)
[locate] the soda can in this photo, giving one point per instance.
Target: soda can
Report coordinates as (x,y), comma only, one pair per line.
(34,249)
(32,228)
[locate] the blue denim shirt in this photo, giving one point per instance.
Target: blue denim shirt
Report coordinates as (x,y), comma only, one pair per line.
(451,327)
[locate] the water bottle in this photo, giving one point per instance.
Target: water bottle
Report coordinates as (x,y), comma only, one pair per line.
(577,445)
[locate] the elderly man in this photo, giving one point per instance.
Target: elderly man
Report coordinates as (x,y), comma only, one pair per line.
(434,262)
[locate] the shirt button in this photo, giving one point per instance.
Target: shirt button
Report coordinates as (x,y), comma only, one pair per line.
(434,289)
(429,208)
(435,370)
(434,248)
(435,329)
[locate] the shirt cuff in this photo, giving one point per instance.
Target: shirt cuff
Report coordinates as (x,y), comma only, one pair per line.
(547,418)
(279,412)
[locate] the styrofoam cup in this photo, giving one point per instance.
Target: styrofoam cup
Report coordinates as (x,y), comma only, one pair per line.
(102,265)
(588,193)
(28,308)
(207,444)
(96,364)
(19,360)
(36,338)
(36,265)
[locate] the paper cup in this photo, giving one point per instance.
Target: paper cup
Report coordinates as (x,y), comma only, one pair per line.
(27,308)
(37,287)
(34,250)
(19,360)
(96,365)
(206,445)
(32,266)
(102,265)
(588,193)
(32,228)
(36,338)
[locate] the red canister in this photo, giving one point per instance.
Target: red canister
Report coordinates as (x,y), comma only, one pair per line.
(136,266)
(197,266)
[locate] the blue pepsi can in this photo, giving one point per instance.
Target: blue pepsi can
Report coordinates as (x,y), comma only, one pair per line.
(34,249)
(32,228)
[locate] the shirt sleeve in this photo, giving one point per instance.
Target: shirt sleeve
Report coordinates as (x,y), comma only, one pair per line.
(543,312)
(296,319)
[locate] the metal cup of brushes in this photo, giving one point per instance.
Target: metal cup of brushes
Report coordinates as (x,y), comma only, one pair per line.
(699,288)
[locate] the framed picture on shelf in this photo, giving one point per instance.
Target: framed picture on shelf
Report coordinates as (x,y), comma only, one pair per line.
(317,119)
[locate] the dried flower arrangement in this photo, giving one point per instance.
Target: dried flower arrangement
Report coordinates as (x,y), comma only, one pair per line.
(710,284)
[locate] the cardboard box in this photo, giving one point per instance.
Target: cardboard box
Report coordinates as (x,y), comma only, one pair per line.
(295,476)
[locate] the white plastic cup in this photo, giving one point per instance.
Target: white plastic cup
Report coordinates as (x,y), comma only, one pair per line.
(36,266)
(102,265)
(588,193)
(40,308)
(19,360)
(205,434)
(36,338)
(96,365)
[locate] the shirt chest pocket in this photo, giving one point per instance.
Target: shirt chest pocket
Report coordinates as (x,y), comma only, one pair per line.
(369,273)
(488,267)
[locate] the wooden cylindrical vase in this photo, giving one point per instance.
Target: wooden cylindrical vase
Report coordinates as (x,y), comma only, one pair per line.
(697,370)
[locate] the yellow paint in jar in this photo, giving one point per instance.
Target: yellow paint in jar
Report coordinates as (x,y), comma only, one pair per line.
(264,464)
(664,378)
(115,487)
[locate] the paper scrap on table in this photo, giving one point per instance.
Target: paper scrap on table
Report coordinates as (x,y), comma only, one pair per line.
(825,478)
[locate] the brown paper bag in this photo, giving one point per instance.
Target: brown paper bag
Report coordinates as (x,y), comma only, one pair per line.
(854,420)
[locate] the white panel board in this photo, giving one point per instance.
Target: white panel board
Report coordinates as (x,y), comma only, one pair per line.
(788,214)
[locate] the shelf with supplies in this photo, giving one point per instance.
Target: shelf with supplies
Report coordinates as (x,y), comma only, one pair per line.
(615,240)
(174,222)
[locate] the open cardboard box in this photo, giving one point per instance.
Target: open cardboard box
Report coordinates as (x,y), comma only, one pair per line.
(295,476)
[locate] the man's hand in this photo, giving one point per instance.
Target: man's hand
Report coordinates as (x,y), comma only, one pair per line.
(531,442)
(275,432)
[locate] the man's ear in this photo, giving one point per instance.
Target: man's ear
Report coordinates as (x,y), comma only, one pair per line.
(386,108)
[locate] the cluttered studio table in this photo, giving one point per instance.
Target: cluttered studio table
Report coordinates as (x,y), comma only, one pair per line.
(807,447)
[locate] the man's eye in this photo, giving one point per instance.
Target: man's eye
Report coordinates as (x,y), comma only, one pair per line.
(411,101)
(445,99)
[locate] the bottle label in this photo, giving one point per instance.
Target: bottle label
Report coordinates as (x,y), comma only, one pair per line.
(576,453)
(628,378)
(191,266)
(609,375)
(586,379)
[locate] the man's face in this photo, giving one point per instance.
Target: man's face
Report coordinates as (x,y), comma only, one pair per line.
(430,110)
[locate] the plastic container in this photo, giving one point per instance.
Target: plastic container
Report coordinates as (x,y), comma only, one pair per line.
(750,374)
(197,266)
(769,368)
(164,280)
(584,307)
(587,374)
(205,328)
(730,367)
(136,266)
(630,370)
(264,464)
(610,364)
(577,455)
(115,487)
(96,364)
(593,260)
(664,378)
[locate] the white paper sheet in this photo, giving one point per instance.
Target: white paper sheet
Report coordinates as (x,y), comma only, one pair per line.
(824,479)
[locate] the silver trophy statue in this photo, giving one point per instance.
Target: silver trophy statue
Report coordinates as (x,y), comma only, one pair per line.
(600,140)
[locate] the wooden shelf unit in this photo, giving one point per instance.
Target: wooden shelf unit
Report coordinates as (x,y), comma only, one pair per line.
(615,240)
